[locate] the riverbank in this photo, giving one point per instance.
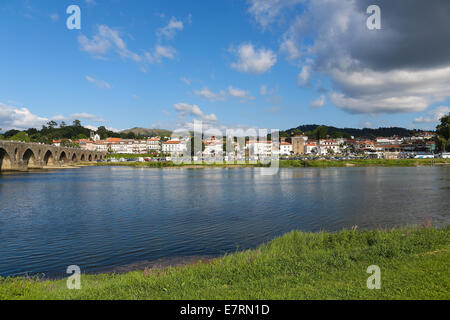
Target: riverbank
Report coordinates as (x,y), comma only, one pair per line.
(413,263)
(363,163)
(286,164)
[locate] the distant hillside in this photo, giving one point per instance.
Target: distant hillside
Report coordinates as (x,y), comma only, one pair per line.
(148,132)
(357,133)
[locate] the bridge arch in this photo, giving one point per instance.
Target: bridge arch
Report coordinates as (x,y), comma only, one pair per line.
(62,157)
(29,159)
(49,159)
(5,160)
(74,158)
(83,157)
(90,157)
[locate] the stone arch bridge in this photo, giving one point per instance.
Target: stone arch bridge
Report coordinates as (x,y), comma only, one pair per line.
(21,156)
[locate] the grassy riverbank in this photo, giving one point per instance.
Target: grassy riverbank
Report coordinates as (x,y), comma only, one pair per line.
(288,164)
(413,262)
(363,163)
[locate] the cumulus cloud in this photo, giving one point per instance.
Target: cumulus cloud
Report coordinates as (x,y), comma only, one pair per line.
(240,93)
(160,53)
(186,110)
(171,29)
(95,128)
(433,116)
(255,61)
(105,39)
(86,116)
(210,95)
(223,94)
(19,118)
(303,78)
(404,67)
(319,103)
(99,83)
(267,11)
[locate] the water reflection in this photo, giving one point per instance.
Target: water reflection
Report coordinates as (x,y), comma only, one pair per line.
(104,217)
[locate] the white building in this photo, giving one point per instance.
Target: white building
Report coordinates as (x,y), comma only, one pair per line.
(174,147)
(285,148)
(327,146)
(154,143)
(259,148)
(213,148)
(311,147)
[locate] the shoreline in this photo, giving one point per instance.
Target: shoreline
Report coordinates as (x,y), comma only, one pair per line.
(282,164)
(286,164)
(297,265)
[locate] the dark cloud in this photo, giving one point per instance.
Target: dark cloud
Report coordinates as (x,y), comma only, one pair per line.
(404,67)
(415,35)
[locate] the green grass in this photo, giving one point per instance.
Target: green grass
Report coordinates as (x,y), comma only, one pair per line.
(362,163)
(289,163)
(414,265)
(168,164)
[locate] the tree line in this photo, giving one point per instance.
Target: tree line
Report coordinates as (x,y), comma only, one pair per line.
(66,133)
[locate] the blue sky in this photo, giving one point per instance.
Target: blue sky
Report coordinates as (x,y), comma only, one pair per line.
(230,63)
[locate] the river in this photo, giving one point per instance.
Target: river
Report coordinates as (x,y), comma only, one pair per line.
(101,218)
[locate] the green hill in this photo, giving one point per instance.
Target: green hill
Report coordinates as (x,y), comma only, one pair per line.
(148,132)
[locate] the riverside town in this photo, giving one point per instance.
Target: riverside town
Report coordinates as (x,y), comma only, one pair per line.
(244,159)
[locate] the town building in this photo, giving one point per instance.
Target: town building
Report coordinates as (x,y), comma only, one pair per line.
(286,149)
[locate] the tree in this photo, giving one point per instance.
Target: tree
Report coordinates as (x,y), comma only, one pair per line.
(320,132)
(102,132)
(52,124)
(21,136)
(76,123)
(443,134)
(10,133)
(190,144)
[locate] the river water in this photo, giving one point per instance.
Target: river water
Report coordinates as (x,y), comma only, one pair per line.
(101,218)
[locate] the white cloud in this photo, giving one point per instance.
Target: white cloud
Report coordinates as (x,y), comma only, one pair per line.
(86,116)
(434,116)
(402,68)
(304,76)
(159,53)
(19,118)
(95,128)
(266,11)
(398,91)
(223,94)
(239,93)
(320,102)
(170,30)
(184,110)
(210,95)
(254,61)
(105,39)
(99,83)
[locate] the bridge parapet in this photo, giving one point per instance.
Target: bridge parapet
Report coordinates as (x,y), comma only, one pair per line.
(21,156)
